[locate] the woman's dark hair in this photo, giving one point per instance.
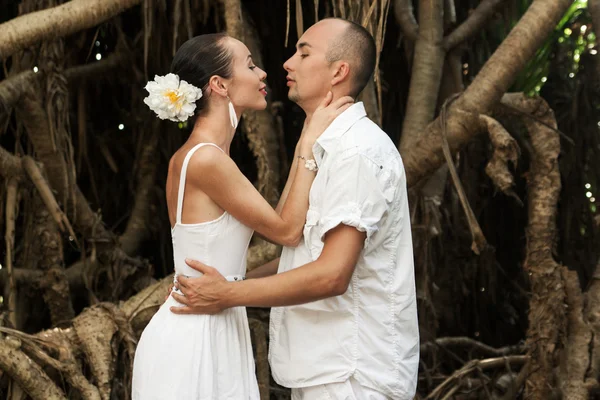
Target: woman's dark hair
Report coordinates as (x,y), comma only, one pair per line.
(200,58)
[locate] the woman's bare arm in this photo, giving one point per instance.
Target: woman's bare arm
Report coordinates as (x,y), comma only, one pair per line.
(219,178)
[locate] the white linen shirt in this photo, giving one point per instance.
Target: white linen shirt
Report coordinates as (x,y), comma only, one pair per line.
(371,331)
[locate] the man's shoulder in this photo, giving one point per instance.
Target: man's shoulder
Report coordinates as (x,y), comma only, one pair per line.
(365,138)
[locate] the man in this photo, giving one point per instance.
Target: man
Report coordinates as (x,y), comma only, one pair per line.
(344,324)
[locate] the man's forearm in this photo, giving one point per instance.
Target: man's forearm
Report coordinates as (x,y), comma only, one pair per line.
(311,282)
(267,269)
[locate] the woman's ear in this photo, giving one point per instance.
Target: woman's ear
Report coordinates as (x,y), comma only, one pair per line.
(340,73)
(217,85)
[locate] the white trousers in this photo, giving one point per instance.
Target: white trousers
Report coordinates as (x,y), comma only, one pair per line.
(347,390)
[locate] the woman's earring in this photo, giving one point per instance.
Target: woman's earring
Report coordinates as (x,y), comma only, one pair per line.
(232,116)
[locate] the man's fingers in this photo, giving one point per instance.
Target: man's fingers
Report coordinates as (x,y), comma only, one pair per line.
(180,299)
(182,310)
(182,281)
(198,266)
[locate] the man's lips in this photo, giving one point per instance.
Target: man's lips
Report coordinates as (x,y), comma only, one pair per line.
(290,81)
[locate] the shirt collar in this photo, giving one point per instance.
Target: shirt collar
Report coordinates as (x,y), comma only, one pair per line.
(337,128)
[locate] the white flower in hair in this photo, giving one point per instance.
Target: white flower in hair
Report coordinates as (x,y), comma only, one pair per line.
(172,98)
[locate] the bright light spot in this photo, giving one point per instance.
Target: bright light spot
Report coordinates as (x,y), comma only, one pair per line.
(36,69)
(588,194)
(0,266)
(576,57)
(568,31)
(587,185)
(583,28)
(561,39)
(97,43)
(482,289)
(593,52)
(538,88)
(571,75)
(121,127)
(98,56)
(544,79)
(465,65)
(592,199)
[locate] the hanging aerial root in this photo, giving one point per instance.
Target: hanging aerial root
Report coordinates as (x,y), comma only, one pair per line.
(10,290)
(576,362)
(40,183)
(506,150)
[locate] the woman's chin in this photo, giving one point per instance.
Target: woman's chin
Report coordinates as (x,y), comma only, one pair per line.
(260,105)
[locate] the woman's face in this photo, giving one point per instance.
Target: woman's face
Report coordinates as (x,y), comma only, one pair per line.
(247,88)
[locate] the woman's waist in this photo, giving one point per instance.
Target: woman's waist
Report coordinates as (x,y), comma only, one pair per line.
(231,274)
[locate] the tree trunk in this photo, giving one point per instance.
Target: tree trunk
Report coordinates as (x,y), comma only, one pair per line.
(427,67)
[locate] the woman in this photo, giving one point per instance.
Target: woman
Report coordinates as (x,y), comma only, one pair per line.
(213,211)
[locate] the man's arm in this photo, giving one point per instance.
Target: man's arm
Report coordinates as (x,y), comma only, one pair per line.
(328,276)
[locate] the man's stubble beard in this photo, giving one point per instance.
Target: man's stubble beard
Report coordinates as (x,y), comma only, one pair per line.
(293,95)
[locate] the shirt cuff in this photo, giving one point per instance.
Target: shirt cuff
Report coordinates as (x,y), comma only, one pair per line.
(351,215)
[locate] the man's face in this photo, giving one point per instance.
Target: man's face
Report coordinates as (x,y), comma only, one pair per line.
(309,72)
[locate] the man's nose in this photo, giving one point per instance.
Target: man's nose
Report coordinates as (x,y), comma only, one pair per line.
(287,65)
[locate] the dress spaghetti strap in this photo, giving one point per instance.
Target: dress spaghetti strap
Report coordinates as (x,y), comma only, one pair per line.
(183,175)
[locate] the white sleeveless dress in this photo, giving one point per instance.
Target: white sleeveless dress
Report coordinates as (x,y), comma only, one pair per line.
(199,357)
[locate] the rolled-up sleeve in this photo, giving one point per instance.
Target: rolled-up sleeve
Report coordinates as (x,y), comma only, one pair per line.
(353,196)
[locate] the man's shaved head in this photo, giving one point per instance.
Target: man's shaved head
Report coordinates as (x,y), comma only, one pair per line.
(356,46)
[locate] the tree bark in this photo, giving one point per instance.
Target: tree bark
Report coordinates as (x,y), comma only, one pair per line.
(572,374)
(30,376)
(426,75)
(403,10)
(547,316)
(24,31)
(54,283)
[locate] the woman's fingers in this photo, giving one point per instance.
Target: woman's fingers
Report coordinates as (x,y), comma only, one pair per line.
(326,100)
(342,101)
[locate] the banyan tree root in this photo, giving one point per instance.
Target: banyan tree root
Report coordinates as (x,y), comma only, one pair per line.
(53,282)
(547,312)
(25,357)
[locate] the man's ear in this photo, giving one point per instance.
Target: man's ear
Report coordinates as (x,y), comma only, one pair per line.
(218,85)
(341,73)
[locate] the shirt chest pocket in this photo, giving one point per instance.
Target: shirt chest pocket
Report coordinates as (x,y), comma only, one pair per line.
(312,233)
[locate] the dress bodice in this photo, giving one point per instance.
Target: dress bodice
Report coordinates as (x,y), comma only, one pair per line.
(221,243)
